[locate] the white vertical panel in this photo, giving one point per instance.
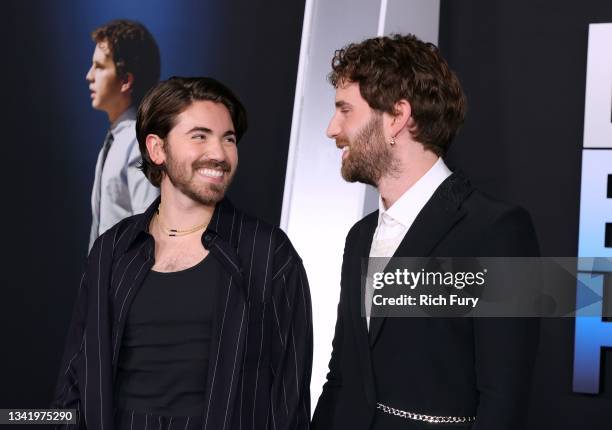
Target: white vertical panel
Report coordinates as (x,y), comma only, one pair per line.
(598,99)
(595,206)
(318,206)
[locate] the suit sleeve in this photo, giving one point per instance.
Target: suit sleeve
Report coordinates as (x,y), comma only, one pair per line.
(505,348)
(142,192)
(291,345)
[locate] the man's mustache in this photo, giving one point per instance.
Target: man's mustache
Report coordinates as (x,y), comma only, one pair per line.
(342,142)
(211,164)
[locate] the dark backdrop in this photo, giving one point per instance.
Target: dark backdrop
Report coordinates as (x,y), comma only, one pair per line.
(523,66)
(51,137)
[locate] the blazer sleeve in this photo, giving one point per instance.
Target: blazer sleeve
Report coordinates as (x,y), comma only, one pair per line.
(505,348)
(291,345)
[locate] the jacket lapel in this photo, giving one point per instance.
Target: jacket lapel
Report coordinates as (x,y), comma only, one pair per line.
(432,224)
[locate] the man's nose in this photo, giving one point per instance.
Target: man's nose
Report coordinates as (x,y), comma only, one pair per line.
(89,75)
(333,129)
(216,150)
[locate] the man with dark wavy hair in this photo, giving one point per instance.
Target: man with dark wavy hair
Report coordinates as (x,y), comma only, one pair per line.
(125,64)
(398,107)
(192,315)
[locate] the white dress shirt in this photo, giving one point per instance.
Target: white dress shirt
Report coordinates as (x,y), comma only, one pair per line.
(394,222)
(123,189)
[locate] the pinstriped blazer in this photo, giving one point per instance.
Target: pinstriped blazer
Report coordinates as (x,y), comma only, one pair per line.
(261,351)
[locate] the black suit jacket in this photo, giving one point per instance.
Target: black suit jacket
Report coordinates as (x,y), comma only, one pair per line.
(261,351)
(436,366)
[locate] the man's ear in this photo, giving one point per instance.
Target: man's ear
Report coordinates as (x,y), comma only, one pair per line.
(402,118)
(155,148)
(127,83)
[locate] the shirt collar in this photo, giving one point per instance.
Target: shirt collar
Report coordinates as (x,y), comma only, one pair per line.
(408,206)
(217,226)
(124,120)
(217,237)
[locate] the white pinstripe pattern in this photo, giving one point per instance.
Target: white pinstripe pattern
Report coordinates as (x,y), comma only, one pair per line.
(297,379)
(246,350)
(227,257)
(127,267)
(281,245)
(229,394)
(263,295)
(251,263)
(240,231)
(304,300)
(246,334)
(259,361)
(75,354)
(272,401)
(218,350)
(118,264)
(282,268)
(99,340)
(232,230)
(285,396)
(265,284)
(123,234)
(280,335)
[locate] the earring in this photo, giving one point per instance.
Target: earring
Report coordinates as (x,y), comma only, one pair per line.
(392,142)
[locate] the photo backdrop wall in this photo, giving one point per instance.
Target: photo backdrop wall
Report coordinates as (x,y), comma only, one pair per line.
(51,137)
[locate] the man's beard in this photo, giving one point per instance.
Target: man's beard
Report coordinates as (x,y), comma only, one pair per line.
(182,177)
(369,158)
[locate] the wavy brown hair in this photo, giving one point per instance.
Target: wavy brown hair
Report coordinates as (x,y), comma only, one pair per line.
(402,67)
(134,51)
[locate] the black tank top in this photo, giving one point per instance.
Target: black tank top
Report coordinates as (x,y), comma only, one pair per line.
(163,361)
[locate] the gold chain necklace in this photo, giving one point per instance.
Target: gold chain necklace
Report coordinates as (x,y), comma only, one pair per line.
(174,232)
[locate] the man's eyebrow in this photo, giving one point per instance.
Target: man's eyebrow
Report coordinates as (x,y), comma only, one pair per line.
(342,104)
(200,129)
(209,131)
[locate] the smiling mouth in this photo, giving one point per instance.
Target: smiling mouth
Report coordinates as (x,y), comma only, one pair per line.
(345,151)
(214,174)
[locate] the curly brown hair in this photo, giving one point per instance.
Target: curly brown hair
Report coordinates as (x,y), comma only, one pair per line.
(134,51)
(166,100)
(402,67)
